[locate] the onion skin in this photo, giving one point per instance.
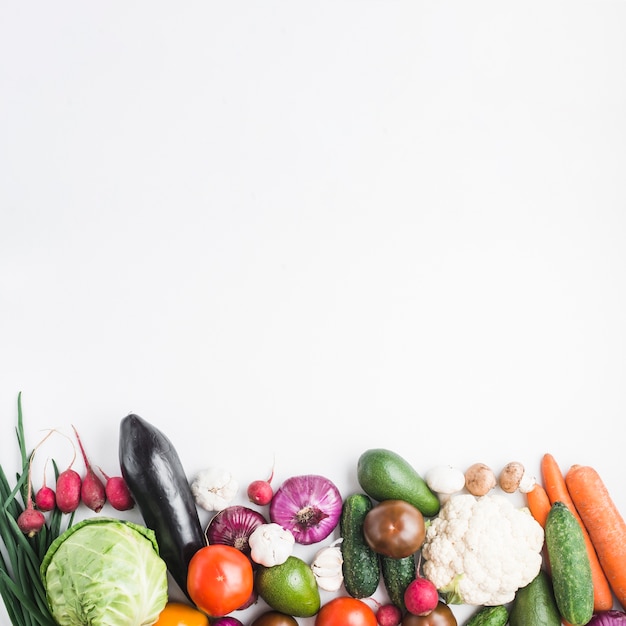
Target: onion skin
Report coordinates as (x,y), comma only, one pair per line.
(233,526)
(608,618)
(308,505)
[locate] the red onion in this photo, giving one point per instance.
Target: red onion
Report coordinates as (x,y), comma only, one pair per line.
(253,599)
(608,618)
(233,526)
(308,505)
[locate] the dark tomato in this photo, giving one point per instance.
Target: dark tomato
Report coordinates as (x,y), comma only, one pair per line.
(274,618)
(441,616)
(394,528)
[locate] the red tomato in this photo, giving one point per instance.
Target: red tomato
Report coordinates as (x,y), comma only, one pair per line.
(346,611)
(219,579)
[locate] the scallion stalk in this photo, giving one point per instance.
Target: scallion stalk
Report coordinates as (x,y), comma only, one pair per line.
(21,587)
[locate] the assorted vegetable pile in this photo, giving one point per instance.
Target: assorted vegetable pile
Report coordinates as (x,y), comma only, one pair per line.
(424,544)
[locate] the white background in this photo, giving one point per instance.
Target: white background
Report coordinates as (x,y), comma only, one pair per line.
(295,231)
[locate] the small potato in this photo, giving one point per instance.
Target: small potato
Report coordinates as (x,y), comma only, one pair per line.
(480,479)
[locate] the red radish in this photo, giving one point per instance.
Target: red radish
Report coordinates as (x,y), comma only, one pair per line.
(388,615)
(45,498)
(260,491)
(92,491)
(421,596)
(117,492)
(69,485)
(30,521)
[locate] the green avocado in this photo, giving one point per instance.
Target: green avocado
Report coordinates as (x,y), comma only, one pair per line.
(385,475)
(289,587)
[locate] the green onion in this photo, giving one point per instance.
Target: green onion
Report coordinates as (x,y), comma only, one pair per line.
(21,586)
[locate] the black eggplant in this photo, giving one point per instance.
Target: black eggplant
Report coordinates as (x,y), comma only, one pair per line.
(157,481)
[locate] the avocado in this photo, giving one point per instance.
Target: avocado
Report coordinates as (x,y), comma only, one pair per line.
(289,587)
(384,475)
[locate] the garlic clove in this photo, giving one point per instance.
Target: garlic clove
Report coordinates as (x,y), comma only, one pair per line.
(327,568)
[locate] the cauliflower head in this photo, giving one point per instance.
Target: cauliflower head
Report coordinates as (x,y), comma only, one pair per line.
(481,550)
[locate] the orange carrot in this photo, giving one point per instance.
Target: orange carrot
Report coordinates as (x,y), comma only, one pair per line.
(554,481)
(539,506)
(603,522)
(539,503)
(556,487)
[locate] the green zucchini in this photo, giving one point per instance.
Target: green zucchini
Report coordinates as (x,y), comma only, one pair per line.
(569,565)
(397,576)
(534,604)
(490,616)
(361,565)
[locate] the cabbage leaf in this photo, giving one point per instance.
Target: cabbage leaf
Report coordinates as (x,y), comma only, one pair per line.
(105,572)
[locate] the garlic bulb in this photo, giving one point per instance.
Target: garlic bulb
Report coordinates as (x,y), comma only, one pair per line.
(271,544)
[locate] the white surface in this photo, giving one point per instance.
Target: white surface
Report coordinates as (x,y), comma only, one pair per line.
(305,230)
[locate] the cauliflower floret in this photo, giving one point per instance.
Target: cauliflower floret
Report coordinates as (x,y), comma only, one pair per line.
(481,550)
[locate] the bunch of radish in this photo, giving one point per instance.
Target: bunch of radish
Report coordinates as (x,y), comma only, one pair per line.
(71,490)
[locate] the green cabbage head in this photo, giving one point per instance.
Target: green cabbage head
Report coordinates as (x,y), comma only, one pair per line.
(105,572)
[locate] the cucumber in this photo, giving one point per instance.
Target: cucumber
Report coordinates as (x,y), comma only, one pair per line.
(385,475)
(361,565)
(490,616)
(569,565)
(534,604)
(397,576)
